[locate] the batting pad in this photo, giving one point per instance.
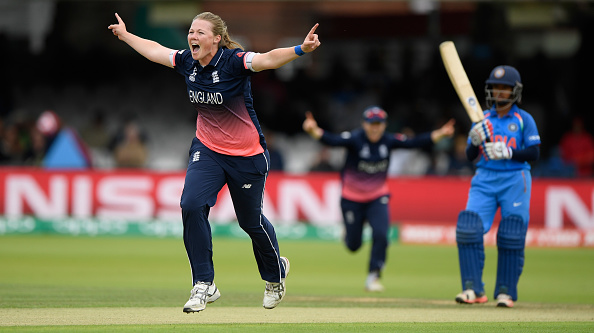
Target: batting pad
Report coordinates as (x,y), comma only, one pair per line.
(511,240)
(471,251)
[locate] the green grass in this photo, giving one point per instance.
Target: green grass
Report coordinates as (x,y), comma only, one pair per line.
(350,327)
(46,271)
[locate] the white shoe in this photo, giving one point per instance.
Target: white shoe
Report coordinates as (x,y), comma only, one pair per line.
(468,296)
(275,291)
(373,284)
(201,294)
(505,301)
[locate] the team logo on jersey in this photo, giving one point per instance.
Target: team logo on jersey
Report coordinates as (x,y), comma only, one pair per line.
(193,75)
(240,54)
(215,77)
(364,152)
(383,151)
(512,127)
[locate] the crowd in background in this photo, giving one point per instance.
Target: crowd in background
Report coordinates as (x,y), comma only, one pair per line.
(136,120)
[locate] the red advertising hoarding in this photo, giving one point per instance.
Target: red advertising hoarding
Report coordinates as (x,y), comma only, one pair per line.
(312,198)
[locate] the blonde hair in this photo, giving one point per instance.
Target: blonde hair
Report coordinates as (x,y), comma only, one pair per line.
(219,27)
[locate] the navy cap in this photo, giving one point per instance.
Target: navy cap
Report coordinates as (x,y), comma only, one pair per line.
(375,114)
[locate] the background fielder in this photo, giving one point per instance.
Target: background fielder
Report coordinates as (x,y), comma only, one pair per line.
(506,139)
(365,195)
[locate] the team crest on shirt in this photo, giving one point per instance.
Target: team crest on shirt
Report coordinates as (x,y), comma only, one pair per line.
(383,151)
(193,75)
(512,127)
(364,152)
(215,77)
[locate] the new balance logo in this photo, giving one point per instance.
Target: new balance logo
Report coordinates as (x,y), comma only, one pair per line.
(247,186)
(196,156)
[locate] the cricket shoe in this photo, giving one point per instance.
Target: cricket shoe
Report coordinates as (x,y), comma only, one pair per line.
(468,296)
(201,294)
(275,291)
(505,301)
(373,284)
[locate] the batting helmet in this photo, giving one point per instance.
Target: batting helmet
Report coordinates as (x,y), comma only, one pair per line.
(508,76)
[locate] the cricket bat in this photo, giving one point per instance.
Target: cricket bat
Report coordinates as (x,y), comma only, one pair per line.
(460,81)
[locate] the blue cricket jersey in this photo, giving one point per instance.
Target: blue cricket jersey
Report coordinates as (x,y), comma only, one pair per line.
(517,129)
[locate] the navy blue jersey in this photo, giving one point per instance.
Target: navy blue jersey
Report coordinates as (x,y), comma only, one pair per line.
(221,94)
(366,167)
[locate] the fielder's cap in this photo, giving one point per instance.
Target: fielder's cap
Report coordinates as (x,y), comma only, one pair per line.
(375,114)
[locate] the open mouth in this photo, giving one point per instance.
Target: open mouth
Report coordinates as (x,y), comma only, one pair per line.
(195,48)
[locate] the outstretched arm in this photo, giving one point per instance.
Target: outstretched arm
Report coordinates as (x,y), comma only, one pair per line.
(310,126)
(278,57)
(151,50)
(446,130)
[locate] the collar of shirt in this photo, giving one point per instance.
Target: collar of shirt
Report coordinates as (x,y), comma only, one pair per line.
(214,61)
(493,113)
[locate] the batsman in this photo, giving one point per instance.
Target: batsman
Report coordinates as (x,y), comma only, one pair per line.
(505,141)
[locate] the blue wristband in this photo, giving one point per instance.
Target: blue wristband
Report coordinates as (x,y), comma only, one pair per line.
(299,51)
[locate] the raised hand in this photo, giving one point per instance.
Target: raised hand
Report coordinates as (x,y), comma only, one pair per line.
(497,150)
(310,126)
(481,132)
(118,28)
(311,41)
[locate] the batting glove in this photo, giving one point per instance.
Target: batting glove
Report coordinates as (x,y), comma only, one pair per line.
(481,132)
(497,150)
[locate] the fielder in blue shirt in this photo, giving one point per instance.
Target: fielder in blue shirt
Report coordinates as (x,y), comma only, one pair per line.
(365,193)
(228,147)
(506,140)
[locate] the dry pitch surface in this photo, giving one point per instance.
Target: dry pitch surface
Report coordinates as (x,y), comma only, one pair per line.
(406,311)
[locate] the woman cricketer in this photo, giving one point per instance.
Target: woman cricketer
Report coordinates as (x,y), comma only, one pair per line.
(229,147)
(506,140)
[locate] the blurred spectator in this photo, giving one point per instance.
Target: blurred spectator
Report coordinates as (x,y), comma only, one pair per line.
(56,145)
(95,134)
(120,135)
(16,141)
(35,153)
(554,166)
(97,138)
(49,125)
(10,145)
(131,152)
(323,161)
(577,148)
